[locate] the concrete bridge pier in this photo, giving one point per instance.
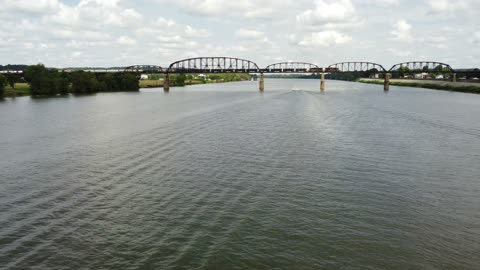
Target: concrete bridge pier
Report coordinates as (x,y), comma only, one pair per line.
(386,84)
(454,77)
(166,83)
(322,81)
(262,82)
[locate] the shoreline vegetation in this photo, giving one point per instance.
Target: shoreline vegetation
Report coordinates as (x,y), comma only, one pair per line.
(429,84)
(38,81)
(156,80)
(459,86)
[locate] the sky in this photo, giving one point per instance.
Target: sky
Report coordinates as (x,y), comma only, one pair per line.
(106,33)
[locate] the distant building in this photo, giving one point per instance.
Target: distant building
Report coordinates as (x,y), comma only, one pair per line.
(422,75)
(144,77)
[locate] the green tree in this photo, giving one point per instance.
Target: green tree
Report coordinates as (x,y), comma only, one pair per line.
(11,80)
(130,82)
(180,80)
(155,76)
(84,82)
(371,72)
(43,82)
(117,82)
(404,70)
(63,85)
(34,76)
(441,69)
(3,83)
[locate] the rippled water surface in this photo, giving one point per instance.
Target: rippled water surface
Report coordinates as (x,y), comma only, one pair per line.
(224,177)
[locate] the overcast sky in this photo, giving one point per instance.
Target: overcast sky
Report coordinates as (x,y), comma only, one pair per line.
(127,32)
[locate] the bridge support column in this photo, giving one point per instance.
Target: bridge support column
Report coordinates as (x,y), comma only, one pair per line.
(262,82)
(322,81)
(454,77)
(386,84)
(166,83)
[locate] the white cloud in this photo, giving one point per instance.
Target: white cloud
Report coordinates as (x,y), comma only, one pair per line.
(244,8)
(250,34)
(402,31)
(28,6)
(440,6)
(437,41)
(328,12)
(324,39)
(94,14)
(260,12)
(476,38)
(28,45)
(76,54)
(125,40)
(75,44)
(399,52)
(380,3)
(80,34)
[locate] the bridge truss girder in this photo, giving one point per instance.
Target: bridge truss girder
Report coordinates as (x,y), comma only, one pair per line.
(292,67)
(356,67)
(213,65)
(422,66)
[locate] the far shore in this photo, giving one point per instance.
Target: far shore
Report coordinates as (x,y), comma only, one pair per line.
(159,83)
(23,89)
(466,87)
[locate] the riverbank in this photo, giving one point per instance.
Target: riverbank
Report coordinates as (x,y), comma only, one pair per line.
(464,87)
(159,83)
(21,89)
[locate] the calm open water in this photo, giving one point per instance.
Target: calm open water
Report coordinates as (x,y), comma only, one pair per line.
(224,177)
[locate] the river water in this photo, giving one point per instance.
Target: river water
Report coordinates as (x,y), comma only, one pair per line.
(224,177)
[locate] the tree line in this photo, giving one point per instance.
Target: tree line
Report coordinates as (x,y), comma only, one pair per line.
(175,79)
(49,82)
(13,67)
(3,83)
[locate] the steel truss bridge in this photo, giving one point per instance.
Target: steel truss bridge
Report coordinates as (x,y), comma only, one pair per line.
(207,65)
(237,65)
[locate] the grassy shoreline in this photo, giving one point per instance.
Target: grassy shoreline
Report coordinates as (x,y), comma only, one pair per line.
(446,87)
(23,89)
(159,83)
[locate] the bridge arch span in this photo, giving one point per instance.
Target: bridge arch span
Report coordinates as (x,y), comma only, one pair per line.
(426,66)
(293,67)
(213,65)
(356,67)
